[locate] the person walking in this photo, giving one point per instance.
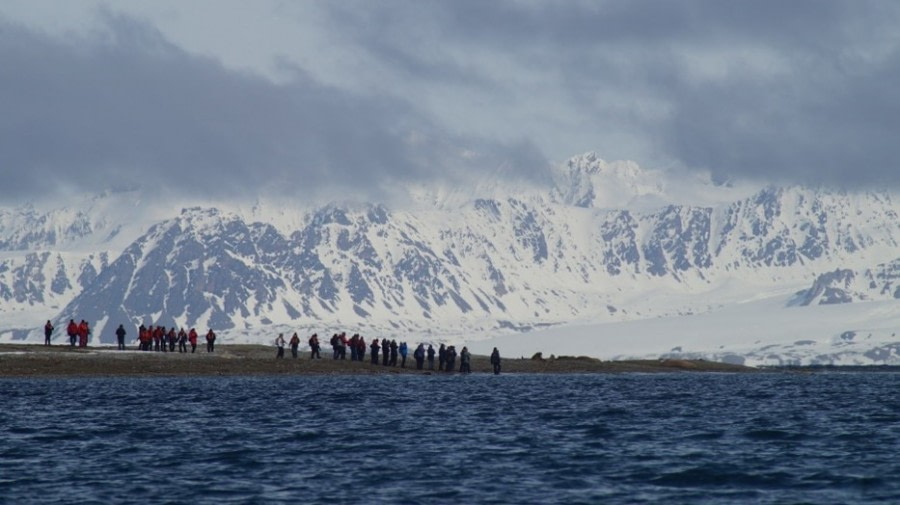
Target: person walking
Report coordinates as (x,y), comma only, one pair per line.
(120,337)
(210,341)
(295,344)
(495,361)
(279,342)
(192,338)
(464,358)
(404,350)
(430,357)
(419,355)
(48,332)
(374,347)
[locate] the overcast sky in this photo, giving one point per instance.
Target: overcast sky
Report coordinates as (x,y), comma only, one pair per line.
(232,97)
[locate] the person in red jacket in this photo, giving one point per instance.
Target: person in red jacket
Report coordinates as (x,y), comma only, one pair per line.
(210,341)
(83,331)
(72,332)
(192,338)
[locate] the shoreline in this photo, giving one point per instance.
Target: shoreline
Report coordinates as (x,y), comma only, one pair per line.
(34,360)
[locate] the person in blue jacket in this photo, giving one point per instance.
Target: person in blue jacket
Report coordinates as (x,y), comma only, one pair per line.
(404,350)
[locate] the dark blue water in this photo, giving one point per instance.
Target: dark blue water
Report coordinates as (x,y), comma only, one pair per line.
(674,438)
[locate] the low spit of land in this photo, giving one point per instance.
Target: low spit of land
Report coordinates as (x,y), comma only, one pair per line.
(22,360)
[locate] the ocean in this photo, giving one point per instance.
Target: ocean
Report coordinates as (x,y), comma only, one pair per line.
(629,438)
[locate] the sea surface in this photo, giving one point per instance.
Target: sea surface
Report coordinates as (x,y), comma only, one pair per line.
(631,438)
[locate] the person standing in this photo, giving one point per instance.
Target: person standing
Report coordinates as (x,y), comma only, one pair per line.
(385,351)
(374,348)
(314,347)
(182,341)
(83,332)
(120,337)
(361,348)
(394,347)
(442,357)
(451,359)
(279,343)
(72,332)
(210,341)
(353,340)
(464,358)
(48,332)
(295,344)
(419,354)
(495,361)
(172,336)
(404,350)
(430,357)
(192,338)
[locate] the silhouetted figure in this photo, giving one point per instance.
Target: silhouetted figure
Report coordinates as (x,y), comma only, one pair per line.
(182,341)
(374,347)
(48,332)
(442,357)
(419,355)
(354,355)
(279,343)
(314,347)
(361,348)
(120,337)
(495,361)
(451,359)
(335,346)
(295,344)
(394,347)
(385,351)
(404,350)
(172,337)
(464,358)
(430,357)
(210,341)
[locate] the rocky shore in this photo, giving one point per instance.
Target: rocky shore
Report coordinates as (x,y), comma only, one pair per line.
(21,360)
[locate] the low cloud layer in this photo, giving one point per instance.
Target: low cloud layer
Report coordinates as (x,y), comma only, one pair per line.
(802,91)
(129,109)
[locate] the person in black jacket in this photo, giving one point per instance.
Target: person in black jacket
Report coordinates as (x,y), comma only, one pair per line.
(385,351)
(451,359)
(495,361)
(120,337)
(48,332)
(393,353)
(419,354)
(430,357)
(375,346)
(442,357)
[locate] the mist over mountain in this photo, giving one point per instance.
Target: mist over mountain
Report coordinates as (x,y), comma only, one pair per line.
(605,243)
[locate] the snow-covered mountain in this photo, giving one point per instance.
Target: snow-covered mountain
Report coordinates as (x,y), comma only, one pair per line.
(609,244)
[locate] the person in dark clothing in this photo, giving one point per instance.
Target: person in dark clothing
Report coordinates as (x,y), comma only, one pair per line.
(442,357)
(430,357)
(451,359)
(393,347)
(295,344)
(353,354)
(279,343)
(374,348)
(495,361)
(172,336)
(385,351)
(334,346)
(182,340)
(48,332)
(361,348)
(314,347)
(404,350)
(419,355)
(210,341)
(120,337)
(464,358)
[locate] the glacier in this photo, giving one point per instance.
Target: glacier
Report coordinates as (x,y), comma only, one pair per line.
(611,261)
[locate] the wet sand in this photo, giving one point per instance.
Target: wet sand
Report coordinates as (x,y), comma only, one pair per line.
(20,360)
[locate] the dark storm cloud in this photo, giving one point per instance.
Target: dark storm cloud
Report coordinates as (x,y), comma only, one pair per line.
(803,90)
(127,108)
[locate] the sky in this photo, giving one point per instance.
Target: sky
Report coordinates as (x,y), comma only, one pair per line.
(233,99)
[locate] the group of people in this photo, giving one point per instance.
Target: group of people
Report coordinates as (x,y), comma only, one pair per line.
(159,340)
(390,351)
(78,333)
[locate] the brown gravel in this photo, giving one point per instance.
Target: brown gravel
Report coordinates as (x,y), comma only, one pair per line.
(19,360)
